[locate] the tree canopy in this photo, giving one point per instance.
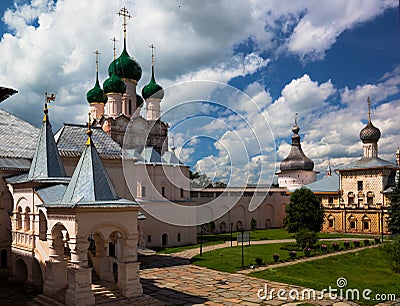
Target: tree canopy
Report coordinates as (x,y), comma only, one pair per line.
(394,209)
(304,212)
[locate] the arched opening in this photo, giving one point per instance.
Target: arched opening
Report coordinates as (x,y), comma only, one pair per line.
(60,243)
(3,258)
(222,227)
(239,226)
(352,223)
(331,222)
(18,218)
(366,223)
(27,221)
(370,198)
(164,239)
(350,198)
(21,271)
(42,226)
(267,223)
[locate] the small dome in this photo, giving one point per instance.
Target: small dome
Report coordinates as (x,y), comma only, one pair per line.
(152,90)
(126,67)
(296,160)
(370,133)
(96,94)
(114,84)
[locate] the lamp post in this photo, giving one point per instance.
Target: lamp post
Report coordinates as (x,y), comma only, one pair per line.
(201,240)
(231,233)
(382,222)
(242,250)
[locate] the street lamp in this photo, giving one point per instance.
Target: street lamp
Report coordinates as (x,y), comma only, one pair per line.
(231,233)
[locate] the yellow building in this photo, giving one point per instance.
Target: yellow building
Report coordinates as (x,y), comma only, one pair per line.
(356,198)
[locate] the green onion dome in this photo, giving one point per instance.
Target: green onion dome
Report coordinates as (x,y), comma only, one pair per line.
(96,94)
(114,84)
(152,90)
(126,67)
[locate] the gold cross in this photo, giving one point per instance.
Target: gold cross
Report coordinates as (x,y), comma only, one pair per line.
(97,60)
(124,12)
(369,108)
(115,41)
(152,54)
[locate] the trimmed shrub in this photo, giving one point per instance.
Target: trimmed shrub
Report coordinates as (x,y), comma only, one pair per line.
(346,244)
(307,251)
(275,257)
(366,242)
(356,243)
(335,246)
(292,254)
(306,238)
(259,261)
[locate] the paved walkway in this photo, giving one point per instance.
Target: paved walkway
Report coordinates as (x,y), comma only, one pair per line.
(174,281)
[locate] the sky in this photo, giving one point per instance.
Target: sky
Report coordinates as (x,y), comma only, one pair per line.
(235,73)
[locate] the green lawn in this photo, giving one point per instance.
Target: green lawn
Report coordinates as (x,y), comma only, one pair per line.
(270,234)
(366,269)
(230,259)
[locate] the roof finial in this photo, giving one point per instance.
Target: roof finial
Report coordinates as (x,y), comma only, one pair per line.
(89,131)
(124,13)
(49,98)
(97,65)
(369,109)
(115,52)
(152,54)
(295,119)
(173,143)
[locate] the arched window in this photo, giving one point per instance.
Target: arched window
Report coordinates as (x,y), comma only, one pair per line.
(350,198)
(331,221)
(164,239)
(27,221)
(239,226)
(42,226)
(18,218)
(222,227)
(370,198)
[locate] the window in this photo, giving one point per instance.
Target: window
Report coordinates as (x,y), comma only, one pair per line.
(148,238)
(27,221)
(130,107)
(330,200)
(163,191)
(366,225)
(351,200)
(182,194)
(330,223)
(143,191)
(352,224)
(360,185)
(179,237)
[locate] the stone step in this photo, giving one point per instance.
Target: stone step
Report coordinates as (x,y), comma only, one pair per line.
(43,300)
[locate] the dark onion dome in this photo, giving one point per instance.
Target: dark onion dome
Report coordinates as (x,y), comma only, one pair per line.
(152,90)
(370,133)
(296,160)
(114,84)
(96,94)
(139,101)
(6,92)
(126,67)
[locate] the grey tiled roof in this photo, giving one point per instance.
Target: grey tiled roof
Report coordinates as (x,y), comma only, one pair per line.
(171,158)
(46,162)
(90,181)
(326,184)
(52,194)
(370,162)
(14,164)
(17,137)
(71,139)
(150,155)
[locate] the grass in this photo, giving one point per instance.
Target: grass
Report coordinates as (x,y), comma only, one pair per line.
(366,269)
(270,234)
(230,259)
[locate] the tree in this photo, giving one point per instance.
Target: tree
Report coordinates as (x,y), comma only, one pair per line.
(392,250)
(394,209)
(304,212)
(253,224)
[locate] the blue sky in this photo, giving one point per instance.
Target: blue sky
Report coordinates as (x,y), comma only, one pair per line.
(277,58)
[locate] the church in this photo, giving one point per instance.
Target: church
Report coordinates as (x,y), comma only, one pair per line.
(71,203)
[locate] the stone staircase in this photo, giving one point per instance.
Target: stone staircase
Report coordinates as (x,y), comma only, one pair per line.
(105,293)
